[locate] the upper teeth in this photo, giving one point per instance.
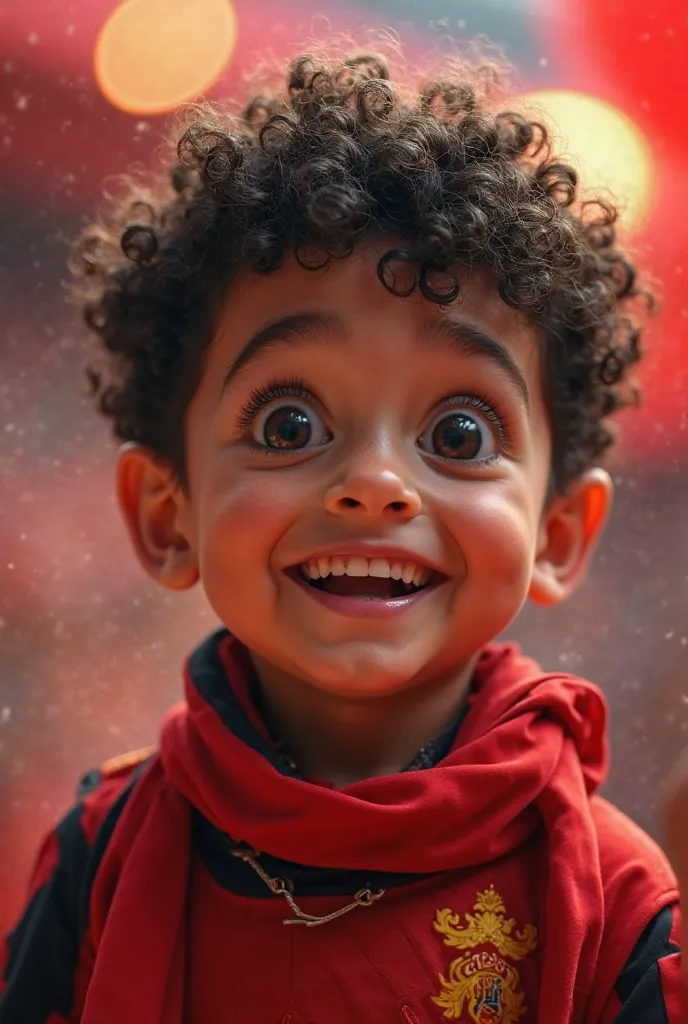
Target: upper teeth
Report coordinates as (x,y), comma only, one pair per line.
(409,572)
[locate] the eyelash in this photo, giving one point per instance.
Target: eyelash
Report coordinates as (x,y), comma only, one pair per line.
(271,392)
(266,395)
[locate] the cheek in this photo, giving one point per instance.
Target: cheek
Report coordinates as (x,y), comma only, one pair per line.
(240,525)
(497,533)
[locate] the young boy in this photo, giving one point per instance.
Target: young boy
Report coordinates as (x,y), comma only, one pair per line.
(364,350)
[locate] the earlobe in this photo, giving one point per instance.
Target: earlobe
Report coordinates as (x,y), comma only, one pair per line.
(155,511)
(571,527)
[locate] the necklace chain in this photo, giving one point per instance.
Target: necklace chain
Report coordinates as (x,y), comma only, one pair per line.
(285,887)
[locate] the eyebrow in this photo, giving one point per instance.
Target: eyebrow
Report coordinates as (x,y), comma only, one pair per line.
(327,329)
(312,327)
(468,340)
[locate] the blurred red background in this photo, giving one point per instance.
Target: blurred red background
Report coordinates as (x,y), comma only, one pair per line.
(89,652)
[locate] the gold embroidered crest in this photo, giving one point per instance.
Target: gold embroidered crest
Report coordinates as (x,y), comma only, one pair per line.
(482,981)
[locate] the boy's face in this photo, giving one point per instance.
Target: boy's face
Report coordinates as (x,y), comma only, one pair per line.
(336,421)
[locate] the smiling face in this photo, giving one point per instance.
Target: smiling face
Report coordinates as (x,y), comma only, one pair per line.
(366,477)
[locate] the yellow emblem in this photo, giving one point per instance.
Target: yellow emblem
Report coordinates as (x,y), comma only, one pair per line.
(482,981)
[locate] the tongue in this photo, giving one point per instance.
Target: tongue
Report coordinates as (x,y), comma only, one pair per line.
(362,586)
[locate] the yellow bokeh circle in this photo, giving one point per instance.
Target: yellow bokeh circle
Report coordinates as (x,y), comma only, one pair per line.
(152,55)
(604,145)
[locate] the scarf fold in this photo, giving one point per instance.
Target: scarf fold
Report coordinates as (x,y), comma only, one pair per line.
(530,751)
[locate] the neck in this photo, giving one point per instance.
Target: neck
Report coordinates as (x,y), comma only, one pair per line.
(342,738)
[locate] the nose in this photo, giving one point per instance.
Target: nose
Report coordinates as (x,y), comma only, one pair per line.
(371,492)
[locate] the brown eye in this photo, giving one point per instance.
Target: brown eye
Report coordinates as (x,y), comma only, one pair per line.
(461,436)
(289,428)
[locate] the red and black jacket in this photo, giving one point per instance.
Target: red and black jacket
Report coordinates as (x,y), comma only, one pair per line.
(458,934)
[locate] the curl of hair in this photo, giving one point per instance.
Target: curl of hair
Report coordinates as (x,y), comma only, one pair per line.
(344,153)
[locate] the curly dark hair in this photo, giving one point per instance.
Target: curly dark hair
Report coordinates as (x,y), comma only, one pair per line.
(340,155)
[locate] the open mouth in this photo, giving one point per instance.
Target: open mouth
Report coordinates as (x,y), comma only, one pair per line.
(372,579)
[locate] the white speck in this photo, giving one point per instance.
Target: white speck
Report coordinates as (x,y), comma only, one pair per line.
(21,101)
(543,62)
(8,67)
(70,30)
(461,24)
(5,715)
(670,635)
(32,38)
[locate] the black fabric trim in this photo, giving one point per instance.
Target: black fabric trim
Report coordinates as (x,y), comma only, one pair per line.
(236,876)
(88,783)
(43,949)
(208,676)
(44,946)
(639,985)
(98,847)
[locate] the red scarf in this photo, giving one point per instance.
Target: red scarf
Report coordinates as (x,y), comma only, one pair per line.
(531,749)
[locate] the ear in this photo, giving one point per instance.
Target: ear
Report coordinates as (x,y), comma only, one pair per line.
(571,527)
(157,515)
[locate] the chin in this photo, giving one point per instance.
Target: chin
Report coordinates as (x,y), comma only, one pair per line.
(364,673)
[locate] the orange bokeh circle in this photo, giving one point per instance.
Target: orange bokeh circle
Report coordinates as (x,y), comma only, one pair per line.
(152,55)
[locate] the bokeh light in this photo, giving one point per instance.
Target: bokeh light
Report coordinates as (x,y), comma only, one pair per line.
(152,55)
(607,148)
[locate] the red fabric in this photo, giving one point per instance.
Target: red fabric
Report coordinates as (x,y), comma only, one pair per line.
(377,966)
(529,755)
(612,1010)
(672,987)
(637,884)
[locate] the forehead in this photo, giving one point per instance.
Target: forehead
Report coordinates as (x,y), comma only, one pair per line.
(352,311)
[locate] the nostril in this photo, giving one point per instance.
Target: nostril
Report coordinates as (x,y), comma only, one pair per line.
(397,506)
(350,503)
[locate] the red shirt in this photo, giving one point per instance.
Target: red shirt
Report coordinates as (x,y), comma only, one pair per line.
(501,889)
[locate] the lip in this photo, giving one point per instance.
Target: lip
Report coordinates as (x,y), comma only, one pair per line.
(366,608)
(369,551)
